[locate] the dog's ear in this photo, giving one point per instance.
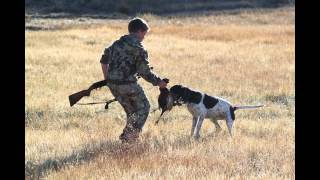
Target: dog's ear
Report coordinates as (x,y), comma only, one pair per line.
(189,95)
(180,92)
(176,89)
(185,94)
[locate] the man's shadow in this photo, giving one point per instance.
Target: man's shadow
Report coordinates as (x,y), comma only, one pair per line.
(113,149)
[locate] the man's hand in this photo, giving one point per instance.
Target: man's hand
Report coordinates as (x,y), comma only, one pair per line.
(105,68)
(163,83)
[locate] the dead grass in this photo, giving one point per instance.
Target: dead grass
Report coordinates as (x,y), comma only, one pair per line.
(239,58)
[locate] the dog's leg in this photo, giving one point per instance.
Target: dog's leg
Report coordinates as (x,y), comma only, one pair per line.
(229,122)
(196,133)
(215,122)
(194,122)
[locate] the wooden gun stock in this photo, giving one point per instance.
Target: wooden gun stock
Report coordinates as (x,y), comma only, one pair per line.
(74,98)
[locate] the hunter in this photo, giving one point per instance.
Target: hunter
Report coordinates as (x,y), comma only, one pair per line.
(122,63)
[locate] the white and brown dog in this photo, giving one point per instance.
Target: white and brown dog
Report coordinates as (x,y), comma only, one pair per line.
(202,106)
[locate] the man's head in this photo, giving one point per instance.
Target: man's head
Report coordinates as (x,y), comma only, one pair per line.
(139,27)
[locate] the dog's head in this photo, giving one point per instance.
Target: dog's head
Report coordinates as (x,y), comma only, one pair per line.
(181,95)
(169,98)
(177,95)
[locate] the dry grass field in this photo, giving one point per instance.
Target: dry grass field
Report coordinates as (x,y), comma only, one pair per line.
(246,58)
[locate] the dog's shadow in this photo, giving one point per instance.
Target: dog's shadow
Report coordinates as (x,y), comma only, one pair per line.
(163,143)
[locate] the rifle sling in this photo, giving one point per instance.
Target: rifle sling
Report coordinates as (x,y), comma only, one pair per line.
(109,101)
(91,103)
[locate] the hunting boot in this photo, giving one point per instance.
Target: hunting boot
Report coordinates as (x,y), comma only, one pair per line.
(129,135)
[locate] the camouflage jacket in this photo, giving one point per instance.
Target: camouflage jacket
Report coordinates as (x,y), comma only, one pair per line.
(127,59)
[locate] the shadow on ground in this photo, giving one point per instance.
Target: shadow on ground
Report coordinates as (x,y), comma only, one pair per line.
(112,149)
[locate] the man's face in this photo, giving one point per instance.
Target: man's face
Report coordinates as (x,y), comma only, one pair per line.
(141,35)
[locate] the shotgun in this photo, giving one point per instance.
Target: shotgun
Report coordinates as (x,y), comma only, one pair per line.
(74,98)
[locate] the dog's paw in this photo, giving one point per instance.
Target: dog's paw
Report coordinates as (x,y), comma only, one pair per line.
(196,137)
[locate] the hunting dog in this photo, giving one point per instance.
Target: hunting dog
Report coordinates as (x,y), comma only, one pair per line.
(202,106)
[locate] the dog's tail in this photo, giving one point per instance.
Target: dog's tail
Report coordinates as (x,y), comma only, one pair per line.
(247,107)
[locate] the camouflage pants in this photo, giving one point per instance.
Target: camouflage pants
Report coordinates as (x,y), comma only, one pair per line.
(135,104)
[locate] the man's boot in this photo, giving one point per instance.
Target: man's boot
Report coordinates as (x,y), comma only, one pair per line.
(129,135)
